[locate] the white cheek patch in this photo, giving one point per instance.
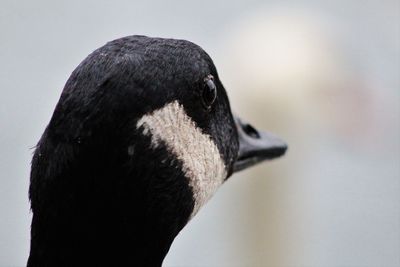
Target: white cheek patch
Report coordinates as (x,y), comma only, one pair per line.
(200,157)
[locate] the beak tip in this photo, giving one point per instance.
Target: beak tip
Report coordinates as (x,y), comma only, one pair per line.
(277,151)
(284,148)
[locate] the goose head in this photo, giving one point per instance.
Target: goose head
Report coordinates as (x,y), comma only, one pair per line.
(141,138)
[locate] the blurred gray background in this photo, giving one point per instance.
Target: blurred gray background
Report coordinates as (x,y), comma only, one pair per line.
(322,74)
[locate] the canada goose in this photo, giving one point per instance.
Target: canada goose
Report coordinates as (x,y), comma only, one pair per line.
(141,138)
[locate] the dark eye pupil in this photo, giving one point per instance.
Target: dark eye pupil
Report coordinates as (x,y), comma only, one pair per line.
(209,92)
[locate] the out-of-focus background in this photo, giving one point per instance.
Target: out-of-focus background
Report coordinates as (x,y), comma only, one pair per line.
(322,74)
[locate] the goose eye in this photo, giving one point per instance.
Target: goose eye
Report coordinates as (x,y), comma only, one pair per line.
(209,91)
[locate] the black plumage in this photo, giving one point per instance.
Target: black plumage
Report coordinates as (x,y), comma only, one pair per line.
(99,195)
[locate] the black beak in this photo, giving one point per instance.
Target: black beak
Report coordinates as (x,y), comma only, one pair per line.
(256,146)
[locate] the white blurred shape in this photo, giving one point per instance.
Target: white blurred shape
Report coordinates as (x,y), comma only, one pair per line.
(285,49)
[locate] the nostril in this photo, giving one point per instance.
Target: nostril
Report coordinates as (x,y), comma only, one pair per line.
(250,131)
